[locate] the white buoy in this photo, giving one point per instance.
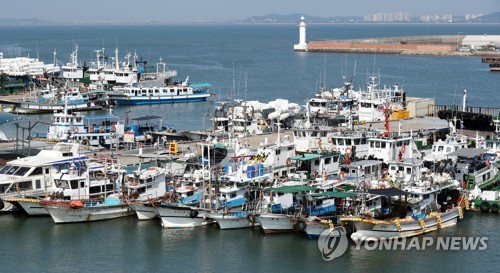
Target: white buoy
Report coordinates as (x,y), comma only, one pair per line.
(302,45)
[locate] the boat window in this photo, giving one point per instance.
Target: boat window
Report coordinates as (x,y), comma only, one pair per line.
(109,187)
(314,133)
(401,168)
(38,184)
(95,189)
(63,184)
(316,162)
(11,170)
(157,91)
(383,144)
(393,168)
(363,141)
(371,144)
(185,90)
(408,170)
(341,141)
(172,90)
(448,149)
(440,148)
(367,170)
(278,152)
(4,169)
(74,184)
(82,184)
(22,171)
(328,160)
(23,186)
(323,134)
(233,195)
(37,171)
(348,142)
(356,141)
(407,142)
(377,144)
(47,170)
(295,133)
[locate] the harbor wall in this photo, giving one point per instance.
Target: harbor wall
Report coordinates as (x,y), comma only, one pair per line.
(328,46)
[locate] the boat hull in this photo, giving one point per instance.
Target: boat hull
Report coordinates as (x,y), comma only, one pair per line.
(64,214)
(232,221)
(158,100)
(377,230)
(182,217)
(31,207)
(144,211)
(275,223)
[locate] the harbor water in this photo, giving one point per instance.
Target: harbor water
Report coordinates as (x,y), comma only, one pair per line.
(224,55)
(36,244)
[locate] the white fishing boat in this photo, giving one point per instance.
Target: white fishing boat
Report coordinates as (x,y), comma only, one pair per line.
(104,130)
(425,215)
(32,176)
(73,70)
(87,210)
(72,184)
(150,180)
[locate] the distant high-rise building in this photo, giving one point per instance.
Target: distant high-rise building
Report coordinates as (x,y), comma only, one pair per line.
(472,16)
(445,18)
(388,17)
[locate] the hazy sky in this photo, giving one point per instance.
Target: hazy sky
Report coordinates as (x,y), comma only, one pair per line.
(203,10)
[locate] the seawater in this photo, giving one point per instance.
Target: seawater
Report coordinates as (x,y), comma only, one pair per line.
(223,55)
(228,56)
(36,244)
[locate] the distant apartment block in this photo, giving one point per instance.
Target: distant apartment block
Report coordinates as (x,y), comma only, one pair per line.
(446,18)
(472,16)
(388,17)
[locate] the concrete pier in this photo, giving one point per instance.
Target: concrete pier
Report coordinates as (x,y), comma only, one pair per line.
(443,45)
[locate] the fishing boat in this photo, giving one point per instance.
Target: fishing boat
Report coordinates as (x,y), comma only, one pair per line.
(167,93)
(72,184)
(103,130)
(33,175)
(425,215)
(87,210)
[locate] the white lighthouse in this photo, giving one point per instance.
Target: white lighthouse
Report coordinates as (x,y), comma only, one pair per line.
(302,45)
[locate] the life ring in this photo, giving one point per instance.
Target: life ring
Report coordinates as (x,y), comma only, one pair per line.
(403,148)
(348,150)
(288,162)
(300,225)
(193,213)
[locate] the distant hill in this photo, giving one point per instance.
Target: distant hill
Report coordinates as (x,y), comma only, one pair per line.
(489,18)
(294,18)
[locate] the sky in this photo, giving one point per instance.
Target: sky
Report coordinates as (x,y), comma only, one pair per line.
(223,10)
